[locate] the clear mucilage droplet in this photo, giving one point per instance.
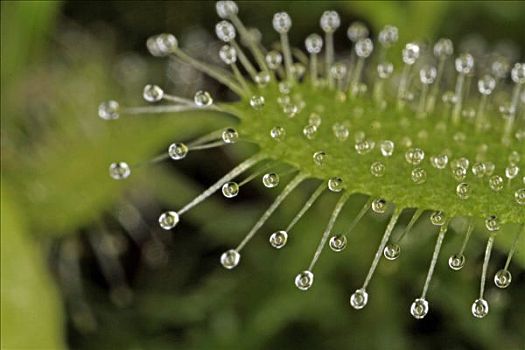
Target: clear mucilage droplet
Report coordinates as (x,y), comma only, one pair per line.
(119,170)
(230,135)
(480,308)
(464,63)
(500,67)
(340,131)
(364,48)
(284,100)
(338,71)
(178,151)
(443,48)
(278,133)
(315,119)
(379,206)
(337,243)
(414,156)
(519,196)
(257,102)
(489,168)
(335,184)
(162,45)
(492,223)
(359,299)
(230,189)
(439,162)
(384,70)
(392,251)
(496,183)
(419,308)
(225,31)
(410,53)
(486,85)
(518,73)
(377,169)
(463,190)
(512,171)
(387,148)
(319,158)
(502,278)
(506,111)
(168,220)
(313,43)
(468,114)
(298,70)
(479,169)
(202,99)
(514,158)
(281,22)
(152,93)
(419,176)
(330,21)
(304,280)
(274,59)
(388,36)
(262,78)
(109,110)
(228,54)
(270,180)
(364,147)
(427,75)
(438,218)
(456,261)
(459,173)
(309,131)
(449,98)
(166,43)
(278,239)
(290,110)
(357,31)
(230,259)
(226,9)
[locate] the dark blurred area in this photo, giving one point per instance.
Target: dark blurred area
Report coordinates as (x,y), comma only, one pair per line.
(84,264)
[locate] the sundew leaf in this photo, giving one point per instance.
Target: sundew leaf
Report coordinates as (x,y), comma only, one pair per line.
(438,192)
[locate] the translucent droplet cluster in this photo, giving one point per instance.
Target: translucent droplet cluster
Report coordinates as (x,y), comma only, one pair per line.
(435,110)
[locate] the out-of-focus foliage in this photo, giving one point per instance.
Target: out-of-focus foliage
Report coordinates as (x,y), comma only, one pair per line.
(31,312)
(59,60)
(60,160)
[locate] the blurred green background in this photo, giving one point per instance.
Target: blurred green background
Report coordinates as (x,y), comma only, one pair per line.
(83,264)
